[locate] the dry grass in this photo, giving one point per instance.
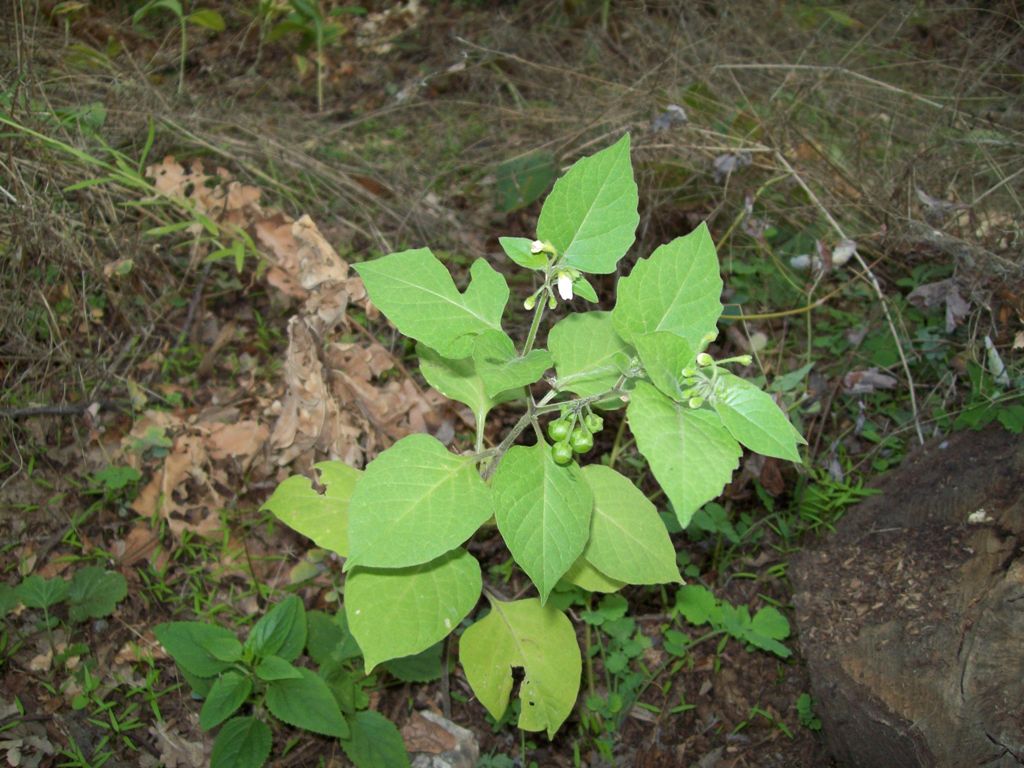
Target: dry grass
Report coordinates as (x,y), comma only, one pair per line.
(845,118)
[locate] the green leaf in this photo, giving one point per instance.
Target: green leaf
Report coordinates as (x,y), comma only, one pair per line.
(543,512)
(375,742)
(664,355)
(590,217)
(306,702)
(676,290)
(501,369)
(522,180)
(414,502)
(582,288)
(206,18)
(520,250)
(753,418)
(539,640)
(320,516)
(188,643)
(586,576)
(766,629)
(37,592)
(228,693)
(275,668)
(691,454)
(628,542)
(423,667)
(329,639)
(95,593)
(174,6)
(589,355)
(226,649)
(8,599)
(243,742)
(395,613)
(697,605)
(416,293)
(281,632)
(458,380)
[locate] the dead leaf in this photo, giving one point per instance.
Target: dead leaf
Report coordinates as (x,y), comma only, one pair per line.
(725,165)
(946,292)
(241,441)
(176,751)
(137,546)
(864,382)
(167,494)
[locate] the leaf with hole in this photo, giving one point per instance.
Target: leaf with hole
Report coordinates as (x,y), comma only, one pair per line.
(319,515)
(539,640)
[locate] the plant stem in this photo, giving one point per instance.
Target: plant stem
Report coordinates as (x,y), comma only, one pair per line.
(538,313)
(181,62)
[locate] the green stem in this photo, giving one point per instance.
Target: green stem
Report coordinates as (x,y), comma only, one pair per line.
(538,313)
(616,444)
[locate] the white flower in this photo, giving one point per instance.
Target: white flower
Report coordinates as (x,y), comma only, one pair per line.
(536,246)
(565,285)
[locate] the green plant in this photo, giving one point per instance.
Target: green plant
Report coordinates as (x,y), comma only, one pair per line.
(402,522)
(699,606)
(317,31)
(805,711)
(260,675)
(201,17)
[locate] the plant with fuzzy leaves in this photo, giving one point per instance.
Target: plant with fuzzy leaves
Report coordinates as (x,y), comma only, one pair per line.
(403,522)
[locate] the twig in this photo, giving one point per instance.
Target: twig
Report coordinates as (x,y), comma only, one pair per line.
(193,305)
(874,284)
(64,410)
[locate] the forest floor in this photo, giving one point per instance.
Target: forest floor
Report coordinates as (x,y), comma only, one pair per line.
(157,235)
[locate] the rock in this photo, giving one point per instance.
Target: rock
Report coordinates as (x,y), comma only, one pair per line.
(911,615)
(436,742)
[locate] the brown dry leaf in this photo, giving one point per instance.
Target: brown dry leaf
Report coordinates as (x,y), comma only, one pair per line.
(1018,340)
(240,441)
(176,751)
(138,545)
(421,735)
(168,493)
(864,382)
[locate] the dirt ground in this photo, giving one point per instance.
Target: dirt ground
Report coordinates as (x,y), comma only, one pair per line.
(895,125)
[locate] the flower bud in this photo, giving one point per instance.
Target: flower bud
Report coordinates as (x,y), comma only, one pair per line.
(744,359)
(689,372)
(552,302)
(696,402)
(704,359)
(530,303)
(536,246)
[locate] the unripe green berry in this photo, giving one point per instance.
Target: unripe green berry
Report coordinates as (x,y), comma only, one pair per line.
(561,452)
(593,422)
(581,440)
(559,429)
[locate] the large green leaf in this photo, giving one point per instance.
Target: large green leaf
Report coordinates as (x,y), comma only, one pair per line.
(94,593)
(589,355)
(520,181)
(418,295)
(281,631)
(38,592)
(375,742)
(628,542)
(677,290)
(329,640)
(458,380)
(228,693)
(664,355)
(543,512)
(306,702)
(414,502)
(496,361)
(590,217)
(243,742)
(195,646)
(399,612)
(320,515)
(539,640)
(753,418)
(691,454)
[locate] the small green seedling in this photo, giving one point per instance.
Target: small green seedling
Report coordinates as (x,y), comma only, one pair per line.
(402,523)
(201,17)
(805,711)
(764,630)
(238,681)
